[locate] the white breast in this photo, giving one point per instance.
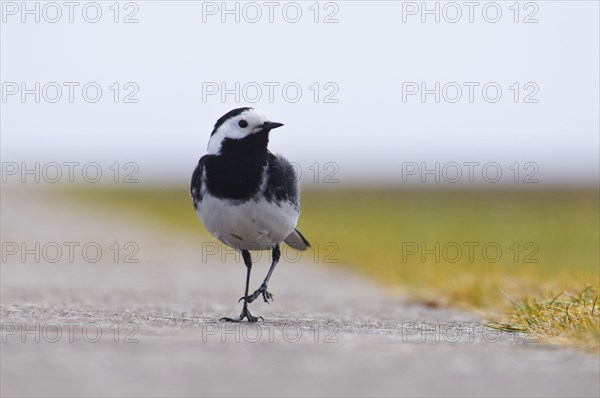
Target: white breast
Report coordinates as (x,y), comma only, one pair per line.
(251,225)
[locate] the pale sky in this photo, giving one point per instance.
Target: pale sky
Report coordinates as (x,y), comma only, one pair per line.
(367,63)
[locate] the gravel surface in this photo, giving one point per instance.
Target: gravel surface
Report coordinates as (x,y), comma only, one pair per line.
(99,325)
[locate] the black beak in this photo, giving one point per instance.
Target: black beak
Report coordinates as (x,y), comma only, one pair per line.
(271,125)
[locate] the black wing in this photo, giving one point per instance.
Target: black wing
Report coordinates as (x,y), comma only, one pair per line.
(283,181)
(196,184)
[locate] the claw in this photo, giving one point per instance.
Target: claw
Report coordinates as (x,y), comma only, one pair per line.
(245,314)
(250,298)
(266,296)
(262,290)
(226,319)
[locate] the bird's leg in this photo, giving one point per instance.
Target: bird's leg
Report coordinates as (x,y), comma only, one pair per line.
(263,288)
(245,312)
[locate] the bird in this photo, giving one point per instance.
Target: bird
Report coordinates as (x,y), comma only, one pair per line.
(247,197)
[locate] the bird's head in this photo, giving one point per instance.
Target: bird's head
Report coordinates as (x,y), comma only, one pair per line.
(241,130)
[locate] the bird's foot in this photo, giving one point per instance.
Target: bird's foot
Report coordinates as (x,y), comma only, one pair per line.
(262,290)
(245,314)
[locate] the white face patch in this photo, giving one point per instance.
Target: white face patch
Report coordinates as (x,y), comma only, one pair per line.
(233,130)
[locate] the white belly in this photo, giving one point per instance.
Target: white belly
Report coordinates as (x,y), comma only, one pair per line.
(252,225)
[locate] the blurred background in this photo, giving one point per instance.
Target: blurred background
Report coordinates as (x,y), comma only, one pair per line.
(447,151)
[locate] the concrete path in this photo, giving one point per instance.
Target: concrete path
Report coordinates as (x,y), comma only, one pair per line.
(100,325)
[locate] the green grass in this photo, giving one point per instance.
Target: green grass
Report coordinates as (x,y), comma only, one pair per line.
(567,318)
(549,241)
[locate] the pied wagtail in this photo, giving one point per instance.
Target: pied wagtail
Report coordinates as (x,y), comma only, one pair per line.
(245,196)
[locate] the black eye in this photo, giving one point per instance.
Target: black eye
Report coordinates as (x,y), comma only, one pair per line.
(243,124)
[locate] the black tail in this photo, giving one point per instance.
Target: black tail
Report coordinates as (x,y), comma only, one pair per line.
(297,241)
